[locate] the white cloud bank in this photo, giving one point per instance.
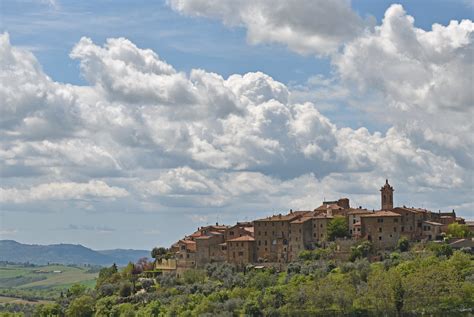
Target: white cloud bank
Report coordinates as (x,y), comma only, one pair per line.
(307,27)
(167,139)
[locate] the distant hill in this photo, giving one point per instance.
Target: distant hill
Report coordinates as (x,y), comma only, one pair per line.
(13,251)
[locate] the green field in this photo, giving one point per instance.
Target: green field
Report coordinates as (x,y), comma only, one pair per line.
(41,282)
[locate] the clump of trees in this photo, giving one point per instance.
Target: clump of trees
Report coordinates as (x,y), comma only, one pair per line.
(338,228)
(433,281)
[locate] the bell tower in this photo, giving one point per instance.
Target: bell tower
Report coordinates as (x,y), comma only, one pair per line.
(387,196)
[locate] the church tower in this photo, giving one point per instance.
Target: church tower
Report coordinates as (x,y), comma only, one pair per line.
(387,196)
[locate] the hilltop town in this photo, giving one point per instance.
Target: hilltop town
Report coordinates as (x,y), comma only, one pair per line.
(279,239)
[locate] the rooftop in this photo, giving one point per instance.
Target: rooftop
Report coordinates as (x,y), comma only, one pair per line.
(302,219)
(381,213)
(243,238)
(288,217)
(433,223)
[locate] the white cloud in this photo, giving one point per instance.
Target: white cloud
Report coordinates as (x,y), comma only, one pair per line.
(178,141)
(307,27)
(62,191)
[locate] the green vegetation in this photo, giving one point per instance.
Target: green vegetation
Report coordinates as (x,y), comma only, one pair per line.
(35,284)
(338,228)
(457,230)
(425,280)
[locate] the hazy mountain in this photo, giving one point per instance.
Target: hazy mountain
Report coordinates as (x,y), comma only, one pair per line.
(13,251)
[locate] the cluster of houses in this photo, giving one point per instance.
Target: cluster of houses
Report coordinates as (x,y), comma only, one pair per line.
(281,238)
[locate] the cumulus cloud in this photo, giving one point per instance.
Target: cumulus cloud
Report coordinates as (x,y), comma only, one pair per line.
(421,81)
(306,27)
(62,191)
(171,139)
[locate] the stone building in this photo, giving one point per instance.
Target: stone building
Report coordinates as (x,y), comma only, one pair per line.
(238,230)
(185,255)
(353,218)
(320,227)
(272,236)
(432,230)
(412,221)
(300,236)
(386,193)
(241,250)
(382,228)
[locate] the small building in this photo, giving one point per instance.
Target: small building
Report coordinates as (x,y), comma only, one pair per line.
(432,230)
(300,237)
(241,250)
(320,227)
(353,217)
(382,228)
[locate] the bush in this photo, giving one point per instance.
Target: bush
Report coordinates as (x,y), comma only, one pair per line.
(403,244)
(125,289)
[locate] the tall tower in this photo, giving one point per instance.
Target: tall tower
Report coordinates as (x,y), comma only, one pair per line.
(387,196)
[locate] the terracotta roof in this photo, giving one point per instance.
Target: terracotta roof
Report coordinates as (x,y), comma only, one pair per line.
(382,213)
(329,206)
(249,229)
(242,238)
(412,209)
(433,223)
(357,224)
(190,245)
(288,217)
(359,211)
(302,219)
(323,216)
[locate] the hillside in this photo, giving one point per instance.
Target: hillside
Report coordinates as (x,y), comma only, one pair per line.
(13,251)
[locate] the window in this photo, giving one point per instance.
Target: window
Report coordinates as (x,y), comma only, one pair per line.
(265,249)
(314,235)
(258,233)
(265,242)
(394,229)
(241,253)
(231,233)
(403,228)
(265,233)
(321,225)
(187,255)
(380,229)
(242,244)
(259,242)
(380,238)
(380,220)
(233,254)
(350,231)
(321,235)
(395,219)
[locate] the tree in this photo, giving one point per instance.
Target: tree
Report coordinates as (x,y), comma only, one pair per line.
(441,249)
(48,310)
(403,244)
(160,253)
(75,290)
(457,230)
(338,228)
(361,250)
(82,306)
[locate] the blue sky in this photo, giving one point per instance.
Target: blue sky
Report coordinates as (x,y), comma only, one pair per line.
(302,154)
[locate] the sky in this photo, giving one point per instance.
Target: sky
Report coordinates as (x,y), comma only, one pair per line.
(128,124)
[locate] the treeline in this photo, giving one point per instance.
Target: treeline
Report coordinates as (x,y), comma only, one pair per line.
(414,280)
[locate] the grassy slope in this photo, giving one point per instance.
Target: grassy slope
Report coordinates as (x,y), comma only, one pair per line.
(69,276)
